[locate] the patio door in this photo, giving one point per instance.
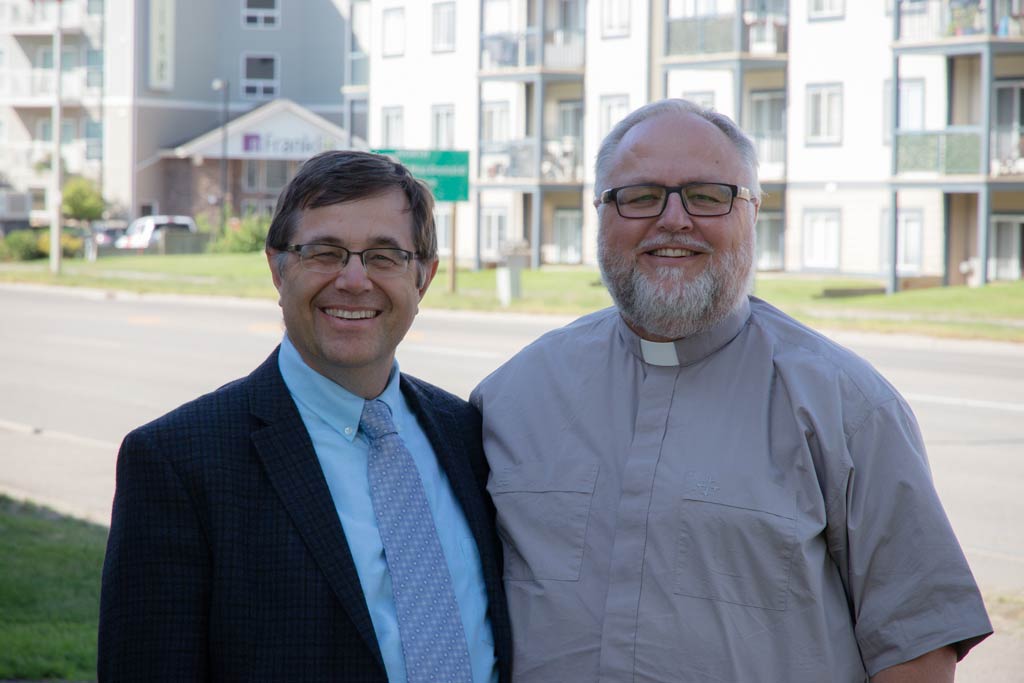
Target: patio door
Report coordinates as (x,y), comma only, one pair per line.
(1005,252)
(1009,128)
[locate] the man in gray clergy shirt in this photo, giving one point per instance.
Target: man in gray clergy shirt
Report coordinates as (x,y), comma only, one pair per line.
(693,486)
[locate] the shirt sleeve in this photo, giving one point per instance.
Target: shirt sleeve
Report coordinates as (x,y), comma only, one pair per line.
(908,584)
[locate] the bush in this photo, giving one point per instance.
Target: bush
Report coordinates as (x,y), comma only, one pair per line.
(243,235)
(22,245)
(70,244)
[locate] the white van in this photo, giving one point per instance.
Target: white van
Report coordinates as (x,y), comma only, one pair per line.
(145,231)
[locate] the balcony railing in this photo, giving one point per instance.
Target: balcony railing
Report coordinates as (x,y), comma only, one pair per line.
(701,35)
(953,151)
(1008,151)
(928,20)
(41,83)
(563,49)
(506,160)
(562,161)
(29,17)
(509,50)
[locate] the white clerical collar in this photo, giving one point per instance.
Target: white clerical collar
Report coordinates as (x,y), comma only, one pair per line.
(659,353)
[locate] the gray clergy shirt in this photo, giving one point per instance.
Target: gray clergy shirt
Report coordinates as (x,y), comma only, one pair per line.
(749,504)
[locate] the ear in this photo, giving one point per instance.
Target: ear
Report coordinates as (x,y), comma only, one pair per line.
(431,271)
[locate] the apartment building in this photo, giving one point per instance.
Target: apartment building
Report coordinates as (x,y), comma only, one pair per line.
(176,106)
(889,132)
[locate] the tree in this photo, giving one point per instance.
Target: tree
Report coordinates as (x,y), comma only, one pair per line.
(82,200)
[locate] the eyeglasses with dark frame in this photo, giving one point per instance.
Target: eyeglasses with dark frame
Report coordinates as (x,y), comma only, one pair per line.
(331,259)
(699,199)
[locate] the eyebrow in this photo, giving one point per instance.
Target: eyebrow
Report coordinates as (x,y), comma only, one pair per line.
(374,241)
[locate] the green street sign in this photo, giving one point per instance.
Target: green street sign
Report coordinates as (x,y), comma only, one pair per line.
(445,171)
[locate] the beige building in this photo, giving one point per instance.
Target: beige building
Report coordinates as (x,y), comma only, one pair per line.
(891,127)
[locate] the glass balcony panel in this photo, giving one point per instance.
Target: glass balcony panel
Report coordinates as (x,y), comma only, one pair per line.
(563,49)
(562,160)
(701,35)
(947,152)
(927,20)
(509,50)
(1008,151)
(507,160)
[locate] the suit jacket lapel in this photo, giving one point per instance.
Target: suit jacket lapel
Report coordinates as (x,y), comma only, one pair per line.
(291,465)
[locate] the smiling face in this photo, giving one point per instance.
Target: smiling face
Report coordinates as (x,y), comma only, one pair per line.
(347,326)
(675,275)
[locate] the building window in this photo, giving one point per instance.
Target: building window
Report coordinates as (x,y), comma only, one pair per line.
(93,139)
(569,235)
(909,241)
(276,174)
(443,22)
(251,175)
(358,119)
(264,175)
(261,13)
(442,126)
(825,9)
(38,195)
(679,9)
(94,68)
(614,18)
(68,130)
(570,118)
(911,107)
(260,76)
(613,108)
(359,43)
(391,127)
(443,223)
(702,98)
(393,32)
(494,121)
(770,241)
(493,231)
(821,239)
(94,7)
(824,114)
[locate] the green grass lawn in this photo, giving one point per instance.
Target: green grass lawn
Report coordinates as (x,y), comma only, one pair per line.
(992,312)
(49,594)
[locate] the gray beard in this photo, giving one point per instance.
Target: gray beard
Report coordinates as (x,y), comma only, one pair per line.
(667,305)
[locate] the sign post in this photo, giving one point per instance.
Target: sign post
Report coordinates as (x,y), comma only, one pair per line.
(447,174)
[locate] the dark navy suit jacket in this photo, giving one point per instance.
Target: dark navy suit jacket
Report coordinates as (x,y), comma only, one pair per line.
(226,559)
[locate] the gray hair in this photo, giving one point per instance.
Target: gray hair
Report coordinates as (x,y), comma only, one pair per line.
(610,144)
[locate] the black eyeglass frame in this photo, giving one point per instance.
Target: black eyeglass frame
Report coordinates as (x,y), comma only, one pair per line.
(409,256)
(610,196)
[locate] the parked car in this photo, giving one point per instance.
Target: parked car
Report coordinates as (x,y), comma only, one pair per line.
(105,234)
(145,231)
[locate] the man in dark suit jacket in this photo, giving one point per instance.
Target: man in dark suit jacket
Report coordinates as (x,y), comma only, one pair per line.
(243,543)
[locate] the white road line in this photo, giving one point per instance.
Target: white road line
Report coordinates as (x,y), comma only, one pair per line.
(965,402)
(58,435)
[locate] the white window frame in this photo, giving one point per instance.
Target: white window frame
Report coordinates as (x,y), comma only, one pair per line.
(443,223)
(771,257)
(260,83)
(442,126)
(392,32)
(826,256)
(494,121)
(392,124)
(615,18)
(1005,266)
(910,241)
(359,36)
(442,24)
(263,19)
(252,179)
(909,118)
(692,9)
(93,144)
(568,229)
(612,108)
(570,115)
(826,9)
(825,104)
(493,229)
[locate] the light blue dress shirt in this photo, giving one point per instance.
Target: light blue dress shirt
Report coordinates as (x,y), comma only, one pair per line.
(331,415)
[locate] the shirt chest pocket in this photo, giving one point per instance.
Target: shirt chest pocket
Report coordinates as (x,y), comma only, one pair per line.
(736,551)
(542,519)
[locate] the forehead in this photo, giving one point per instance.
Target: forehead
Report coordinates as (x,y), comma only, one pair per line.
(379,219)
(675,148)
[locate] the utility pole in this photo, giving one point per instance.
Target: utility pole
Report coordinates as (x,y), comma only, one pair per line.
(56,114)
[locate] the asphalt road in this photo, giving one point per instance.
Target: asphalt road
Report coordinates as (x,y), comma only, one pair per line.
(80,368)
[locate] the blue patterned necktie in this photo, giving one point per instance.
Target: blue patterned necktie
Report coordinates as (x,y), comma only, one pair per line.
(429,621)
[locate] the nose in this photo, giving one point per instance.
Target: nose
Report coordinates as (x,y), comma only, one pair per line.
(353,276)
(675,217)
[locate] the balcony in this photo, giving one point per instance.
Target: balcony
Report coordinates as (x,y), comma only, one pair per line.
(771,155)
(1008,151)
(953,151)
(563,49)
(562,161)
(934,20)
(701,35)
(31,160)
(514,159)
(31,18)
(509,50)
(37,87)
